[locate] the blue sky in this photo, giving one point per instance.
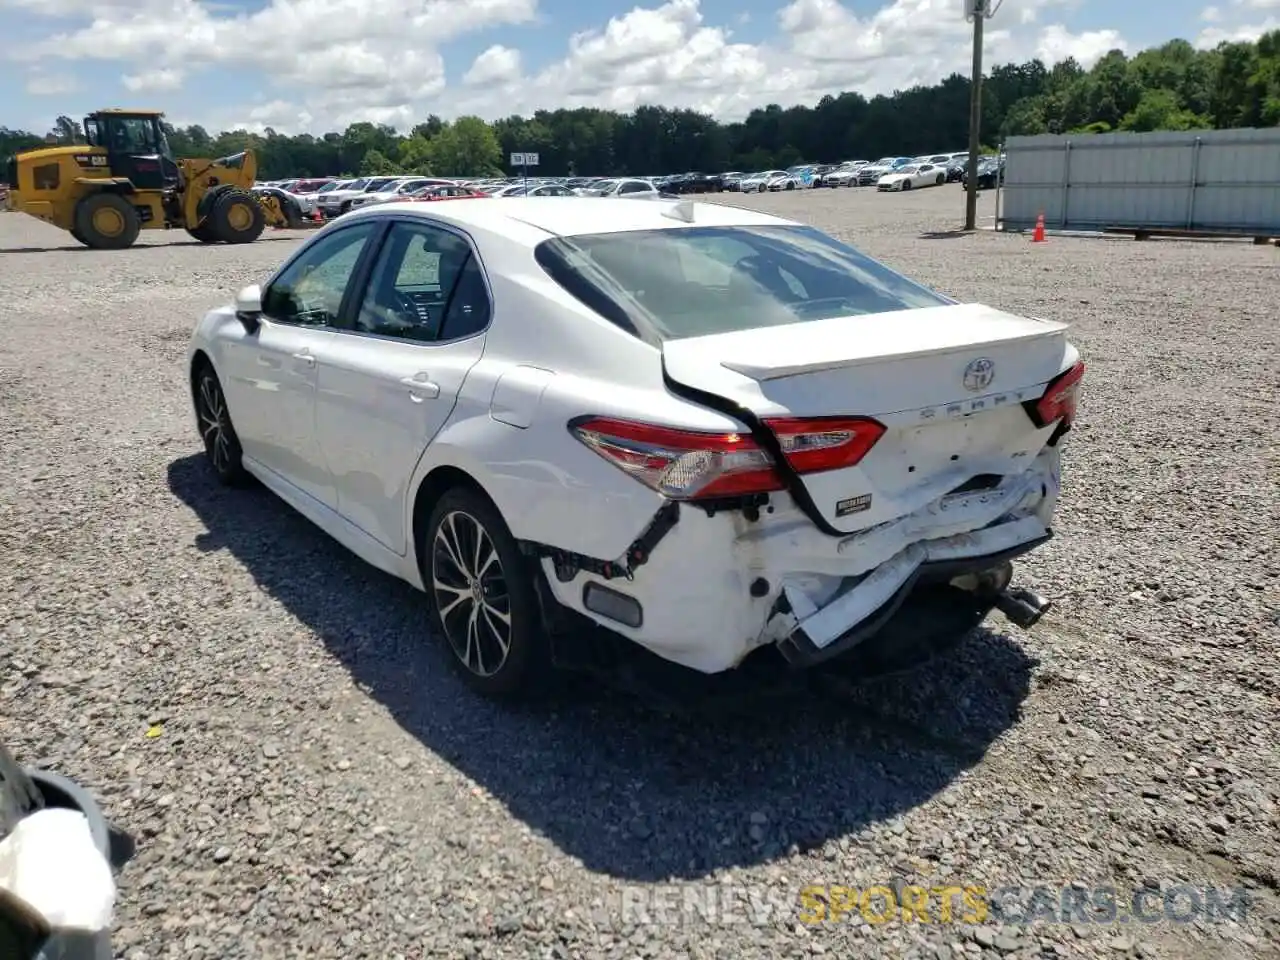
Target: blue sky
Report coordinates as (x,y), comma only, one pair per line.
(209,62)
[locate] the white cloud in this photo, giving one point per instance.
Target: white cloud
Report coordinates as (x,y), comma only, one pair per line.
(331,62)
(51,84)
(1212,36)
(153,81)
(497,64)
(1236,23)
(1057,43)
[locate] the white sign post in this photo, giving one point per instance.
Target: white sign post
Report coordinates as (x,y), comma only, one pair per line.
(524,161)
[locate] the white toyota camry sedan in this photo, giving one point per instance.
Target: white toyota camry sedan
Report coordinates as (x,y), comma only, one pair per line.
(708,431)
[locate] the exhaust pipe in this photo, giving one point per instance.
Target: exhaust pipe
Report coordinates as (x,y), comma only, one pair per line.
(1023,607)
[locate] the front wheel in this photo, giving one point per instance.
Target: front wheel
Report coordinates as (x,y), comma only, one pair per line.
(906,184)
(941,180)
(482,593)
(237,217)
(221,445)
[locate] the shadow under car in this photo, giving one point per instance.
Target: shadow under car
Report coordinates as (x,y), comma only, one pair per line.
(667,795)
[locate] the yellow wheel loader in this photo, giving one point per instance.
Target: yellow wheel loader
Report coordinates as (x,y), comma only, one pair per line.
(126,180)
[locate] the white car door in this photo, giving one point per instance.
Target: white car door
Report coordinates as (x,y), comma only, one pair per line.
(271,375)
(389,380)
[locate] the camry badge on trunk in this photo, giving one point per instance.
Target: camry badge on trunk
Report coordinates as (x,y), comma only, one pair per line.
(979,374)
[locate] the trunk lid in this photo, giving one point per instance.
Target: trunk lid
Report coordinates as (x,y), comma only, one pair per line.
(947,382)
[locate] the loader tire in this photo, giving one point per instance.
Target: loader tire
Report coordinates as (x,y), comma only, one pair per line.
(203,233)
(236,217)
(292,211)
(106,221)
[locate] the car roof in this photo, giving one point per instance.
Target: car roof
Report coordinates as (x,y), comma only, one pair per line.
(574,216)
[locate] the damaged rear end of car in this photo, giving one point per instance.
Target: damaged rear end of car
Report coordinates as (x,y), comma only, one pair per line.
(887,461)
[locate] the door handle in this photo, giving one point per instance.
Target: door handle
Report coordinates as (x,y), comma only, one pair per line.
(421,388)
(306,358)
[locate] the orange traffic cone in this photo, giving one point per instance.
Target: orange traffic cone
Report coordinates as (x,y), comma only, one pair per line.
(1037,236)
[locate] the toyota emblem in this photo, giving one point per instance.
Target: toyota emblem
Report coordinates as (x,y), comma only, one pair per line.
(979,374)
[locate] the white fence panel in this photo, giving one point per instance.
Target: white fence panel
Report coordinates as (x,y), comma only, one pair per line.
(1214,181)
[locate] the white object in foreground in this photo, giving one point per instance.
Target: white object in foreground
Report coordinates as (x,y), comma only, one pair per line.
(51,863)
(708,430)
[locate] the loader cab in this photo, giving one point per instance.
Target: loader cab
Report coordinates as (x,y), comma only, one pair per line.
(136,147)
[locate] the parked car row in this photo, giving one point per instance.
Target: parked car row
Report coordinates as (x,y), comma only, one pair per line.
(326,198)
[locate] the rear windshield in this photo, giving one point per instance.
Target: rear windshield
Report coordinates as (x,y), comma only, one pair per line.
(693,281)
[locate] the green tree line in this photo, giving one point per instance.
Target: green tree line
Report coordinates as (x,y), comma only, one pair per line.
(1170,87)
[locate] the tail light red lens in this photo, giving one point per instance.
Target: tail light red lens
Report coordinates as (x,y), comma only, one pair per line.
(681,464)
(814,444)
(697,465)
(1060,398)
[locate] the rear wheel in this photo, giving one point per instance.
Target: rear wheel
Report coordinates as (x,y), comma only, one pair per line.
(221,445)
(106,221)
(237,217)
(482,595)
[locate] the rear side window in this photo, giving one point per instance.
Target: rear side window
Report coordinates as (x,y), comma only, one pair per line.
(695,281)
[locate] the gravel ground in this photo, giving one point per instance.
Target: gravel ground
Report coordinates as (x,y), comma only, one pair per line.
(321,785)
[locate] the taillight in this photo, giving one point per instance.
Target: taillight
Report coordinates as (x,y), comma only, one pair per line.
(696,465)
(815,444)
(1060,398)
(681,464)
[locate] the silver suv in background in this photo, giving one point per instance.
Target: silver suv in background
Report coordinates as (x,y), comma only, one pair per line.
(335,202)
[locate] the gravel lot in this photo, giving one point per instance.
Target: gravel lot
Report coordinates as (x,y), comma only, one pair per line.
(322,786)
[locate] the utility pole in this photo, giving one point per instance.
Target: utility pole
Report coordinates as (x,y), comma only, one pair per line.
(978,11)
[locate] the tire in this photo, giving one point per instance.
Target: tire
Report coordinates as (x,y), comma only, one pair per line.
(106,221)
(221,445)
(942,178)
(791,186)
(292,211)
(203,233)
(236,217)
(906,185)
(462,523)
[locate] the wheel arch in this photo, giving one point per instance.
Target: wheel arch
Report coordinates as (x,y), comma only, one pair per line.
(121,186)
(438,480)
(199,362)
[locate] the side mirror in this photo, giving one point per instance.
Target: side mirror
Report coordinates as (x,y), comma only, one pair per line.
(249,307)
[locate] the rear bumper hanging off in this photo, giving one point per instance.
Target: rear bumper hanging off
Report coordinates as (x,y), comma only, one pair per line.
(815,639)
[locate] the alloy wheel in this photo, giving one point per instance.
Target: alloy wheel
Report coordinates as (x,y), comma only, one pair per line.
(214,424)
(470,590)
